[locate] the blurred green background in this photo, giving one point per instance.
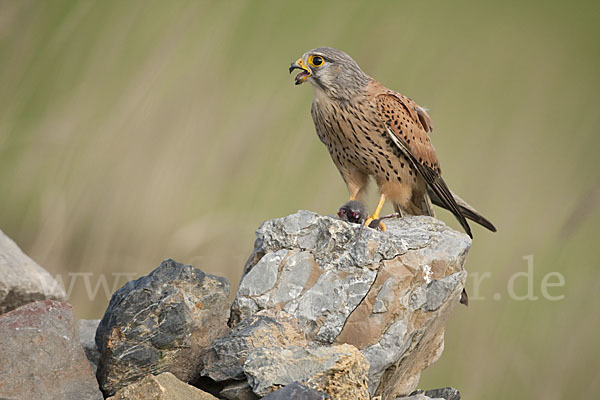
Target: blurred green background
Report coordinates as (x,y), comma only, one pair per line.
(133,131)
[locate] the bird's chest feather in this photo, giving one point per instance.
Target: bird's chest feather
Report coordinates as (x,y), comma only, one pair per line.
(357,140)
(352,132)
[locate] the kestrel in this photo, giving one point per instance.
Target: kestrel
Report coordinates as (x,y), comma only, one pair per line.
(371,130)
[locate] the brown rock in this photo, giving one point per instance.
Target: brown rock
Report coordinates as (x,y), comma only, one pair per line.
(165,386)
(347,379)
(41,356)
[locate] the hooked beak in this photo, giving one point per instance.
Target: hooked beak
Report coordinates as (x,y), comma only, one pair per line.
(304,74)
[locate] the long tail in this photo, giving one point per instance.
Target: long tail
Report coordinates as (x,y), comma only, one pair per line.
(467,210)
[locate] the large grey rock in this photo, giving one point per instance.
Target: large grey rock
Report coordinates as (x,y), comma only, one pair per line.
(22,280)
(387,293)
(162,322)
(339,371)
(161,387)
(87,335)
(41,356)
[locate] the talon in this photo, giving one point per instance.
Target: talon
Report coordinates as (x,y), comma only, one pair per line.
(375,216)
(376,224)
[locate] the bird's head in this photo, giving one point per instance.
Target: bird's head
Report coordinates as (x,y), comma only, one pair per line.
(330,70)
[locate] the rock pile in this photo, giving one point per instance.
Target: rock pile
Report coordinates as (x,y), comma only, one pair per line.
(324,310)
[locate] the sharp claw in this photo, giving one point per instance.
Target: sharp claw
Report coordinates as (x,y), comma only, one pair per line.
(375,223)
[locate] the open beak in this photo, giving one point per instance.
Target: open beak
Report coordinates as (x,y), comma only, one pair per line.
(304,74)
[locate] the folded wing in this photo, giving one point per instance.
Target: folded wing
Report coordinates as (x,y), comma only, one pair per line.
(408,131)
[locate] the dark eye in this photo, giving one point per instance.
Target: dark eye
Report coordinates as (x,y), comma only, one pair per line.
(316,61)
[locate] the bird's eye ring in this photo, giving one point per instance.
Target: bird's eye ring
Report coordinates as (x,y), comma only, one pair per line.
(316,61)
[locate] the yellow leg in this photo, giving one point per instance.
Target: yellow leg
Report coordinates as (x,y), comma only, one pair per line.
(379,206)
(352,197)
(377,210)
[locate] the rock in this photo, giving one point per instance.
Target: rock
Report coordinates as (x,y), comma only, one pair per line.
(41,356)
(295,391)
(340,371)
(447,393)
(22,280)
(238,390)
(162,322)
(87,336)
(161,387)
(387,293)
(418,396)
(267,328)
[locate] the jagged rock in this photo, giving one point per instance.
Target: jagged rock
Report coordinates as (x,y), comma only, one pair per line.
(238,390)
(87,336)
(418,396)
(447,393)
(224,361)
(387,293)
(340,371)
(165,386)
(268,328)
(41,356)
(22,280)
(296,391)
(162,322)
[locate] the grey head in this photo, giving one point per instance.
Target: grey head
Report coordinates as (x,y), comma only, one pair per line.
(353,211)
(332,71)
